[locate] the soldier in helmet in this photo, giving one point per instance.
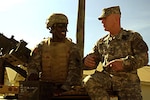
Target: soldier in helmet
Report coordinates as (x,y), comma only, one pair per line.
(121,53)
(56,58)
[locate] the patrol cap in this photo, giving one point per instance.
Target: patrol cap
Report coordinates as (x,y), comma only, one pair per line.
(108,11)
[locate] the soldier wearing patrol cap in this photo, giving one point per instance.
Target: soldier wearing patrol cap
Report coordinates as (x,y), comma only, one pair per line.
(57,58)
(121,52)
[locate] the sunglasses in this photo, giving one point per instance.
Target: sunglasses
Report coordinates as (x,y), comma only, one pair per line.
(61,25)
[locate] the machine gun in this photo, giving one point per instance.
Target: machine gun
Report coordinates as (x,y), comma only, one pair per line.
(12,54)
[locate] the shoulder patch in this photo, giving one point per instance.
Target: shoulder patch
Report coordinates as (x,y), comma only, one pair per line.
(140,45)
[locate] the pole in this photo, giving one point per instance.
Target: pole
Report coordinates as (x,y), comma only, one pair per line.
(80,26)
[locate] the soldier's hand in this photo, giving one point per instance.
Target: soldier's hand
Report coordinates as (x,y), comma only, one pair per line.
(33,77)
(89,61)
(115,65)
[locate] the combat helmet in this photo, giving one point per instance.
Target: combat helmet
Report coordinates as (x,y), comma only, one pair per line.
(56,18)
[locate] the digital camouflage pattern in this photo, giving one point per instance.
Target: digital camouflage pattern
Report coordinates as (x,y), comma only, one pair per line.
(73,64)
(107,11)
(131,48)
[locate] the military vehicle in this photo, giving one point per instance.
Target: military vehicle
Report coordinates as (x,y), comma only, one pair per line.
(15,54)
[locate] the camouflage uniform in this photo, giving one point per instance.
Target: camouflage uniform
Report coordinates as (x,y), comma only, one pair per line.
(56,59)
(130,47)
(74,72)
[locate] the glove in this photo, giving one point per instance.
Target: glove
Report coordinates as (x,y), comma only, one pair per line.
(66,87)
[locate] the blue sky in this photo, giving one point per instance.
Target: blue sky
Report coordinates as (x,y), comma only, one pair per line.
(25,19)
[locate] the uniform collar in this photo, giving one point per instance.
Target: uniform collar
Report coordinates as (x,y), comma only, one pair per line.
(118,36)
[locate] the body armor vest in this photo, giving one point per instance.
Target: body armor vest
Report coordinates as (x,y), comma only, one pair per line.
(55,57)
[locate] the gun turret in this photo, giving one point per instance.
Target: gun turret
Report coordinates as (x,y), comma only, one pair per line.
(6,44)
(13,53)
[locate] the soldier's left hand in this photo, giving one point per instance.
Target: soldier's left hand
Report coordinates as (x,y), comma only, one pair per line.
(115,65)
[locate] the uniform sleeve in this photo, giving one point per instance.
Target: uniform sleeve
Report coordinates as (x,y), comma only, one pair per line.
(97,54)
(34,65)
(140,54)
(74,68)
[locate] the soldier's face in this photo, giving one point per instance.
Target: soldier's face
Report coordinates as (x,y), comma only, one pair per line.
(60,30)
(108,22)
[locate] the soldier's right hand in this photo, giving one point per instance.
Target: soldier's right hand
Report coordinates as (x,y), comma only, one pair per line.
(89,61)
(33,77)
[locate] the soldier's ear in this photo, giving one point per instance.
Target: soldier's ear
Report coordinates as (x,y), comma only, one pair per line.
(52,30)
